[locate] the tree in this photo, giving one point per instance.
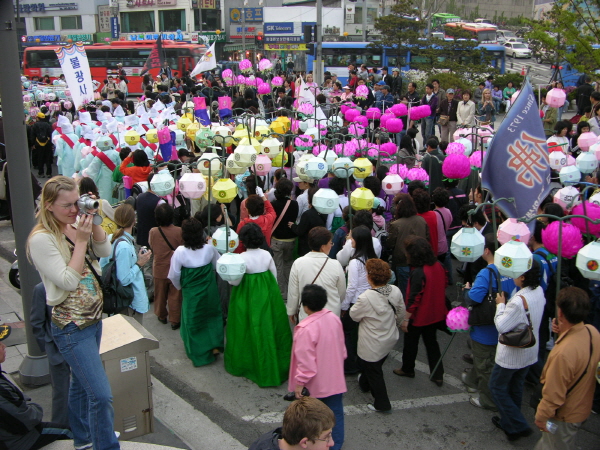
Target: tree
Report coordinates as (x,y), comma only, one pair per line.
(459,55)
(568,31)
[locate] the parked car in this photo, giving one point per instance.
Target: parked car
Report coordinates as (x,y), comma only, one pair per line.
(517,50)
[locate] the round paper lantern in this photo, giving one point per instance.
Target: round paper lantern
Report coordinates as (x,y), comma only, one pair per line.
(224,190)
(152,136)
(569,174)
(325,201)
(280,159)
(191,130)
(209,160)
(223,135)
(335,122)
(365,165)
(68,104)
(316,168)
(204,137)
(588,261)
(596,150)
(392,184)
(417,174)
(225,241)
(513,259)
(162,183)
(571,239)
(313,132)
(513,230)
(245,155)
(192,185)
(571,161)
(586,140)
(27,98)
(301,170)
(251,141)
(231,266)
(183,123)
(591,210)
(373,113)
(132,137)
(586,162)
(595,199)
(456,167)
(362,198)
(556,98)
(557,160)
(399,109)
(51,96)
(271,146)
(466,143)
(458,319)
(467,244)
(567,197)
(337,167)
(329,156)
(262,165)
(232,166)
(394,125)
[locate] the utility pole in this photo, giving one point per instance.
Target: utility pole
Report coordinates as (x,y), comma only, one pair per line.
(243,33)
(34,368)
(318,66)
(364,21)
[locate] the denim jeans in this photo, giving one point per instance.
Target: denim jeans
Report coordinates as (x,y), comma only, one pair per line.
(427,129)
(336,404)
(506,386)
(91,414)
(402,274)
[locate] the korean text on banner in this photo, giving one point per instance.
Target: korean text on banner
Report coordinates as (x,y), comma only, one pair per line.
(74,64)
(207,62)
(516,164)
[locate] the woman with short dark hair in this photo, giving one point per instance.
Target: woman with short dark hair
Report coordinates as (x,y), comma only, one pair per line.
(259,340)
(192,272)
(141,166)
(261,213)
(310,219)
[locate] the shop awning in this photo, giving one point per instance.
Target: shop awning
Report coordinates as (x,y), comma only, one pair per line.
(238,47)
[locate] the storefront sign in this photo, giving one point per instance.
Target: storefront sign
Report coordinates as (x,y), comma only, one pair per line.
(79,37)
(248,29)
(204,4)
(299,47)
(214,37)
(42,38)
(283,39)
(279,27)
(176,36)
(114,27)
(138,3)
(251,14)
(28,8)
(166,2)
(104,19)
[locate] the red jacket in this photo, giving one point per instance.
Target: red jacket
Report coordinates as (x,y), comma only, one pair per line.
(432,220)
(137,174)
(426,294)
(264,221)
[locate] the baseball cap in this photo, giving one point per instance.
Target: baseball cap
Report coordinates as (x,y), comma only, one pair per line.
(381,83)
(395,69)
(384,68)
(4,331)
(450,91)
(347,87)
(300,180)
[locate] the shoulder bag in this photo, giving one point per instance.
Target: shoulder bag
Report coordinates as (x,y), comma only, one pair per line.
(313,281)
(165,238)
(520,338)
(483,313)
(280,218)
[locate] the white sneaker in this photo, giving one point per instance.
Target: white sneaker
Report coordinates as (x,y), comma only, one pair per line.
(117,434)
(463,377)
(84,447)
(475,402)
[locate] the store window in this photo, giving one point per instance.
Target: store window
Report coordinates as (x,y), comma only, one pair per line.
(172,19)
(44,23)
(70,23)
(206,19)
(137,22)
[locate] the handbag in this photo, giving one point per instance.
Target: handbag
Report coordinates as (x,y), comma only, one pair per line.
(483,313)
(443,120)
(108,225)
(313,281)
(520,338)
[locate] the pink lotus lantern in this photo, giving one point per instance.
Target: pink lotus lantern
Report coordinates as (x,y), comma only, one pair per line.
(567,197)
(389,148)
(356,130)
(303,141)
(399,109)
(513,230)
(456,167)
(572,241)
(263,165)
(556,98)
(419,112)
(475,160)
(591,210)
(346,106)
(373,113)
(394,125)
(399,169)
(392,184)
(362,120)
(265,64)
(586,140)
(263,89)
(384,119)
(245,66)
(307,109)
(417,174)
(277,81)
(351,114)
(455,148)
(457,319)
(361,92)
(241,80)
(228,77)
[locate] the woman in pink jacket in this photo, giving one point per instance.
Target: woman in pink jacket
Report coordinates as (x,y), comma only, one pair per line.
(318,354)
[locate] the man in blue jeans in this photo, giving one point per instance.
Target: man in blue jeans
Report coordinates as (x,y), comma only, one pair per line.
(431,99)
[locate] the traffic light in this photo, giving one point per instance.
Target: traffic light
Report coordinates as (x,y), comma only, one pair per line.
(259,39)
(308,33)
(311,49)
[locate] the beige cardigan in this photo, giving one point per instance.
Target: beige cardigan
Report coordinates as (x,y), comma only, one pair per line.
(51,260)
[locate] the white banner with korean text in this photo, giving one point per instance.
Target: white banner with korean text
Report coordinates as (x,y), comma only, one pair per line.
(74,64)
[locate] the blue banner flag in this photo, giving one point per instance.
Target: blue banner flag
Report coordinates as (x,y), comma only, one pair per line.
(516,164)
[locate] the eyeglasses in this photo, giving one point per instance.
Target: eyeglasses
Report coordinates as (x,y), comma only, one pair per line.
(326,440)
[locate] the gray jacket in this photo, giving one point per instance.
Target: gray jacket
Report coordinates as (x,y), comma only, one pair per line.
(41,315)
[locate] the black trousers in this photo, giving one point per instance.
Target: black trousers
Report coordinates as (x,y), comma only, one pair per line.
(372,380)
(45,156)
(351,339)
(50,432)
(411,349)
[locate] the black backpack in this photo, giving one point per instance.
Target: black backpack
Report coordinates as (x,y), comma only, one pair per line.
(116,296)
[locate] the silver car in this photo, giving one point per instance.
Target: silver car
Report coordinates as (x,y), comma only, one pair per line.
(517,50)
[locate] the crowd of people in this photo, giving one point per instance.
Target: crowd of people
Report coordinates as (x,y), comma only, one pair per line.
(323,295)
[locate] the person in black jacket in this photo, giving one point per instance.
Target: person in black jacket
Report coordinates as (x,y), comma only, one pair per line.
(583,95)
(42,147)
(448,108)
(310,219)
(21,426)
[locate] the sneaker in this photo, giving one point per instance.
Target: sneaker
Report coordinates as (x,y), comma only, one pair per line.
(401,373)
(468,358)
(84,446)
(463,378)
(475,402)
(358,379)
(372,408)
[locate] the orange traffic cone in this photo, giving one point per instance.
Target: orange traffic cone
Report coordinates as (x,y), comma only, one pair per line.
(523,71)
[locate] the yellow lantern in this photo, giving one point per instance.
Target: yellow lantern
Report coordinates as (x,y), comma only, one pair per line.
(271,147)
(277,161)
(224,190)
(191,130)
(233,167)
(261,132)
(362,163)
(240,133)
(152,136)
(209,160)
(253,142)
(132,137)
(183,123)
(280,126)
(362,198)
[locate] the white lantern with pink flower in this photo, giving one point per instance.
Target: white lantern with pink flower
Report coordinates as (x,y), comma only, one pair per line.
(557,160)
(513,230)
(567,197)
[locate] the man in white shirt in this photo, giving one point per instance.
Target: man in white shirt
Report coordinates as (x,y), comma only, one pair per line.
(302,199)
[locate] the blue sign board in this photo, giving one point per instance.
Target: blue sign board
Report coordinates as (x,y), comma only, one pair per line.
(250,14)
(283,39)
(114,27)
(279,28)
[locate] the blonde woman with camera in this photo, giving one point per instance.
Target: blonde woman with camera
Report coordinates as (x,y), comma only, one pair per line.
(64,255)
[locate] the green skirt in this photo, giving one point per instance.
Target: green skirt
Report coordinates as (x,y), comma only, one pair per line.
(201,317)
(259,339)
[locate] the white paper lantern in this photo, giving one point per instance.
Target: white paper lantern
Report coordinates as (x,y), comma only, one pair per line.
(569,174)
(263,165)
(467,143)
(209,160)
(245,155)
(313,132)
(557,160)
(223,135)
(192,185)
(329,156)
(335,122)
(467,245)
(231,267)
(513,259)
(595,199)
(271,147)
(316,168)
(588,261)
(342,162)
(301,170)
(567,197)
(586,162)
(513,230)
(325,201)
(162,183)
(221,242)
(392,184)
(232,166)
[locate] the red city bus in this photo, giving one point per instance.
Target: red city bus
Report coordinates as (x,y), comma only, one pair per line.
(484,33)
(103,58)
